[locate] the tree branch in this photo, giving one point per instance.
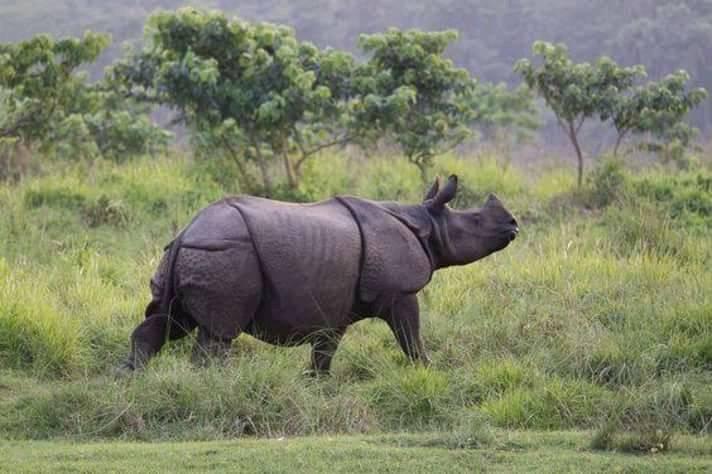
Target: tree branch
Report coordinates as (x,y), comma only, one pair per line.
(307,153)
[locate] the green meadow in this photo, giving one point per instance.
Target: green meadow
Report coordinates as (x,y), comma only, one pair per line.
(589,339)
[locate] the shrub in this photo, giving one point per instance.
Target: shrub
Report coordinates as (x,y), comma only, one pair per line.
(412,397)
(606,184)
(556,404)
(105,211)
(33,336)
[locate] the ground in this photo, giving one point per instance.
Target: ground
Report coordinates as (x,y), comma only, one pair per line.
(516,451)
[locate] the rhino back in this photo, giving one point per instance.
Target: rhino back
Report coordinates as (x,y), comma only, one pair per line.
(310,257)
(216,227)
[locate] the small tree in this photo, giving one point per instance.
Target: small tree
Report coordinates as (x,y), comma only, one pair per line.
(659,109)
(497,107)
(47,104)
(411,92)
(254,89)
(40,82)
(575,92)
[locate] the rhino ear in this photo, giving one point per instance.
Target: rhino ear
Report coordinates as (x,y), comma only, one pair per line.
(433,191)
(446,194)
(492,200)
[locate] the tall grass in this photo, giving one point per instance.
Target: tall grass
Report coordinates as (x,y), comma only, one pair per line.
(600,314)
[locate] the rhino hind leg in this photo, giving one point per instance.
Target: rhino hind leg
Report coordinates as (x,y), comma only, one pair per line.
(221,290)
(149,337)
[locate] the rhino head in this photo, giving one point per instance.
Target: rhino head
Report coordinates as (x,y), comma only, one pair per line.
(459,237)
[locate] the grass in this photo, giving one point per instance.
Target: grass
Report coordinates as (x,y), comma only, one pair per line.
(428,452)
(598,316)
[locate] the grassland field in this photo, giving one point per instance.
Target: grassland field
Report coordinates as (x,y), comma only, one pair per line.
(586,343)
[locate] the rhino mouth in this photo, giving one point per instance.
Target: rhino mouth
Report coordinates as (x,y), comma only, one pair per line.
(512,233)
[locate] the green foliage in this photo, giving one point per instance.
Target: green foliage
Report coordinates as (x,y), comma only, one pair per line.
(606,184)
(411,397)
(105,211)
(686,197)
(658,108)
(253,90)
(38,78)
(46,104)
(31,335)
(497,108)
(414,94)
(576,92)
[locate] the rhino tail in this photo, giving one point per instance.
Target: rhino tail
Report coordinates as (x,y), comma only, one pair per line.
(168,293)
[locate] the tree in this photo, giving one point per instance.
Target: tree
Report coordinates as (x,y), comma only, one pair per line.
(657,108)
(575,92)
(48,105)
(413,93)
(40,81)
(254,89)
(497,107)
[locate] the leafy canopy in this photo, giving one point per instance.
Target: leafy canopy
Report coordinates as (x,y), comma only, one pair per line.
(413,93)
(46,103)
(252,88)
(658,108)
(576,92)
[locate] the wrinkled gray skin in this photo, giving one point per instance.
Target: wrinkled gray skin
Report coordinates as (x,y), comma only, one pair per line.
(302,273)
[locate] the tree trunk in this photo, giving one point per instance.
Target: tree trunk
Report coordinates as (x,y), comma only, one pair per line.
(619,140)
(242,176)
(422,167)
(574,140)
(262,165)
(292,177)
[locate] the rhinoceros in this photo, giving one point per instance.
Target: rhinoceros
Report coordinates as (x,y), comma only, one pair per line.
(290,273)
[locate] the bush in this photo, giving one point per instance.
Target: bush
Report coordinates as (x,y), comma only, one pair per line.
(412,397)
(33,336)
(556,404)
(105,211)
(606,184)
(687,197)
(495,377)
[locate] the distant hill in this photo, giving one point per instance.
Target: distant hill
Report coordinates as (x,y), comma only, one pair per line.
(664,36)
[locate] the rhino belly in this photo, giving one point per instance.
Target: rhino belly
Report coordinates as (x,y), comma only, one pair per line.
(310,258)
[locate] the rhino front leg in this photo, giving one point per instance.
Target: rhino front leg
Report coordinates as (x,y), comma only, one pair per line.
(403,317)
(324,346)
